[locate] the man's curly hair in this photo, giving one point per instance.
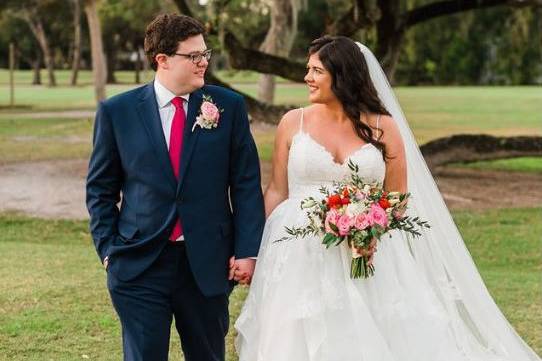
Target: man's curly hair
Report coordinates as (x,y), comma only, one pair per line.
(165,32)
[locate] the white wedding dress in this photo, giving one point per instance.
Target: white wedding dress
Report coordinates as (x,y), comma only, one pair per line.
(303,305)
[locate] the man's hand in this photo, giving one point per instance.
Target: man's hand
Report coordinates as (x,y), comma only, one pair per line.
(241,270)
(106,262)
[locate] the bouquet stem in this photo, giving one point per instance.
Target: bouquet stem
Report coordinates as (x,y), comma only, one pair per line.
(360,268)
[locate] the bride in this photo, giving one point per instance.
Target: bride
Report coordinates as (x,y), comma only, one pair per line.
(426,301)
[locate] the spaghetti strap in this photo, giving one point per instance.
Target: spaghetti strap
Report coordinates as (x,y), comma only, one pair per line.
(301,122)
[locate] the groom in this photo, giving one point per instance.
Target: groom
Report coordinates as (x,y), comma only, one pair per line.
(180,158)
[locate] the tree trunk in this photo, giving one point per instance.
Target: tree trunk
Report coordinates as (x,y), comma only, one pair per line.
(138,66)
(390,36)
(111,51)
(278,41)
(99,70)
(111,66)
(34,22)
(76,41)
(266,88)
(36,66)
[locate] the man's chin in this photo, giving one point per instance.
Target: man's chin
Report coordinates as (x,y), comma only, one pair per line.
(199,83)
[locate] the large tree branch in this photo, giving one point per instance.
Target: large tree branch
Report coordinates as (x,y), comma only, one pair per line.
(449,7)
(242,58)
(464,148)
(250,59)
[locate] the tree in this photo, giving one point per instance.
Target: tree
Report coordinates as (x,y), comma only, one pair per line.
(385,21)
(46,20)
(29,12)
(279,40)
(27,50)
(76,41)
(98,58)
(124,22)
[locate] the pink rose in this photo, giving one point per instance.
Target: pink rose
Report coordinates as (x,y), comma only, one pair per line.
(362,221)
(344,224)
(209,111)
(378,215)
(331,217)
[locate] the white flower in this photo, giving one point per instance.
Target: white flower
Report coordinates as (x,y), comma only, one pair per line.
(353,209)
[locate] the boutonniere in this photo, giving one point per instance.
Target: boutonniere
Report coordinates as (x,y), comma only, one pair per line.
(209,114)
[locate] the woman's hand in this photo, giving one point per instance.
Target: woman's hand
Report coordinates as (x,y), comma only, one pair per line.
(367,252)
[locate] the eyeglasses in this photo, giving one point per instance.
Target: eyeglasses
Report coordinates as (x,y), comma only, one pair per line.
(196,58)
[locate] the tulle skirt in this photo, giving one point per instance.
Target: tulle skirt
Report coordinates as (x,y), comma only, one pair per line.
(303,305)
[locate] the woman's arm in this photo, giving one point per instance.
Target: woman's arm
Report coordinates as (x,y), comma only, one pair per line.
(396,170)
(277,189)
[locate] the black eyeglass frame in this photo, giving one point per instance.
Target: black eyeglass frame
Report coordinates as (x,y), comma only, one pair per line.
(196,58)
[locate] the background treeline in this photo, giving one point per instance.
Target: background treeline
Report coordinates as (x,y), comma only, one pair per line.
(497,45)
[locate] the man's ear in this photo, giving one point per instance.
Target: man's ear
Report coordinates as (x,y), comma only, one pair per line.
(161,61)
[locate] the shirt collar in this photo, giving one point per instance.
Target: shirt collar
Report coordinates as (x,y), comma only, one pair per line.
(164,95)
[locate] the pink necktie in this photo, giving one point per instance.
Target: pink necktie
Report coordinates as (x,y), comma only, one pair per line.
(175,148)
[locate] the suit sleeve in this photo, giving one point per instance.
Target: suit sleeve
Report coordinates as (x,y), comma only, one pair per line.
(104,183)
(245,187)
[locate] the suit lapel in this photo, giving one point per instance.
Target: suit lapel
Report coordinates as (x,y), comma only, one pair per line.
(150,117)
(190,137)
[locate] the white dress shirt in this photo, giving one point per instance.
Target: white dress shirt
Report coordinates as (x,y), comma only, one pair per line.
(166,108)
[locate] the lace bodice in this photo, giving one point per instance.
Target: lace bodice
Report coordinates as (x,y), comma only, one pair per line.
(311,165)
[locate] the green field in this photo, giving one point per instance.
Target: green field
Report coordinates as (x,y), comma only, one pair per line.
(55,306)
(432,112)
(524,164)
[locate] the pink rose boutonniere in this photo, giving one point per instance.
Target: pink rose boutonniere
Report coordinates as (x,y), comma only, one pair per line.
(209,114)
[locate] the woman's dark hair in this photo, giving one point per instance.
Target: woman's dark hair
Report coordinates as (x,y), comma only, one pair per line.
(165,32)
(351,82)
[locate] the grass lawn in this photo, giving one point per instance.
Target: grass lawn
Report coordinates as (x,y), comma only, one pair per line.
(524,164)
(63,77)
(432,112)
(54,304)
(24,139)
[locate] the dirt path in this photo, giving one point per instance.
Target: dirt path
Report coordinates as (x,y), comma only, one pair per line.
(56,189)
(52,189)
(52,114)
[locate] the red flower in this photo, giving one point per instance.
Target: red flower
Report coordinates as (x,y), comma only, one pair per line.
(383,202)
(345,192)
(334,201)
(345,200)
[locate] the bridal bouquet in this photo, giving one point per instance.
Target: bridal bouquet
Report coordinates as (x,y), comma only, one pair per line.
(355,212)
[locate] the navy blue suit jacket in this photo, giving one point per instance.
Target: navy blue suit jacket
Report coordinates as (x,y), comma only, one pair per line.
(218,195)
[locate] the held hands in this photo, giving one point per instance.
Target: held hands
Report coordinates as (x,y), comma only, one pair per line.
(241,270)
